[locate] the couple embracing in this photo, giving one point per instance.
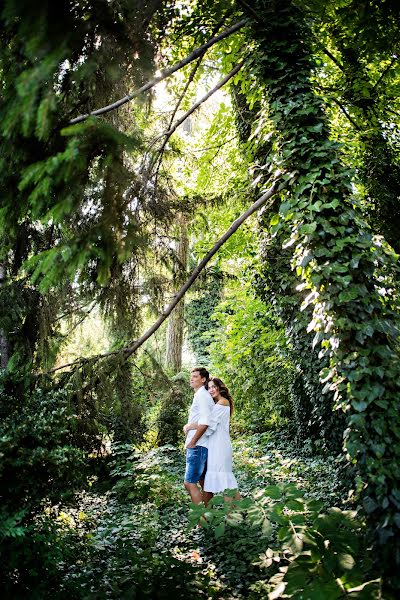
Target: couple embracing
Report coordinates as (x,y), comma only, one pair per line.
(208,444)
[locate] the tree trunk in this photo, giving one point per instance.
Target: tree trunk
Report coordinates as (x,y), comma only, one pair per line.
(176,321)
(350,278)
(4,349)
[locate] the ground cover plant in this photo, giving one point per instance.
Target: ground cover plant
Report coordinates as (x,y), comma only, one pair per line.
(131,535)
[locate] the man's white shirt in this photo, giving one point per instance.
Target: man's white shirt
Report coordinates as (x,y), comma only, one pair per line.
(200,413)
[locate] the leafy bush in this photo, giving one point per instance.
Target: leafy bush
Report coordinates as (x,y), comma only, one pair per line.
(39,466)
(247,352)
(308,554)
(273,458)
(161,403)
(172,412)
(39,462)
(144,477)
(122,561)
(125,554)
(198,313)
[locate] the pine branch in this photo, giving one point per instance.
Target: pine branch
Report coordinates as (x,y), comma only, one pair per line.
(129,350)
(179,65)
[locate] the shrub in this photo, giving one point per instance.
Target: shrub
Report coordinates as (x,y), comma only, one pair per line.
(248,353)
(308,553)
(39,466)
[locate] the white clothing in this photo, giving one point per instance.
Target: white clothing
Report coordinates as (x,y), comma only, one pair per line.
(219,475)
(200,413)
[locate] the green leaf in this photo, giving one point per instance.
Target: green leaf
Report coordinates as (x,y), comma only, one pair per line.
(274,220)
(219,530)
(273,491)
(308,228)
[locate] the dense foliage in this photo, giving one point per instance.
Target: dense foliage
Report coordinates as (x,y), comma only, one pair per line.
(299,312)
(248,350)
(199,312)
(340,264)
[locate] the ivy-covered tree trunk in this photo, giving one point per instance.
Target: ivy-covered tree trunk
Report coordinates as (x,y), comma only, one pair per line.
(350,278)
(316,424)
(176,321)
(4,349)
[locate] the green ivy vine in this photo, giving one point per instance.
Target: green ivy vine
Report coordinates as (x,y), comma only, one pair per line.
(349,275)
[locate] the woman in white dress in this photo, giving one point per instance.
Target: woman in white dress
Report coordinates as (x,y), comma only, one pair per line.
(219,475)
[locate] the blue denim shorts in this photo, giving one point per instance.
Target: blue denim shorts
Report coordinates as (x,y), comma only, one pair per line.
(196,464)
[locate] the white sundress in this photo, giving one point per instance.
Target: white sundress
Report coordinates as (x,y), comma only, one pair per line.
(219,475)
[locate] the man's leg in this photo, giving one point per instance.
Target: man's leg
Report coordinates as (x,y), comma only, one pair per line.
(196,459)
(206,495)
(194,492)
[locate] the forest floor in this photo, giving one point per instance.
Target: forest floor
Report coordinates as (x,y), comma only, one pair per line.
(134,538)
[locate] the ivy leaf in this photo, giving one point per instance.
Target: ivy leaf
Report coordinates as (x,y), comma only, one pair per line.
(308,229)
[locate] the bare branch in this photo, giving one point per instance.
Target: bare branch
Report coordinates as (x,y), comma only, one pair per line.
(219,85)
(217,146)
(185,89)
(158,161)
(129,350)
(330,55)
(191,77)
(164,74)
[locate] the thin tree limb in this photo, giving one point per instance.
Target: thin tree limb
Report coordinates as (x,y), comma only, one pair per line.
(249,9)
(181,97)
(185,89)
(346,113)
(217,146)
(164,74)
(191,110)
(192,75)
(129,350)
(390,65)
(196,272)
(196,105)
(330,55)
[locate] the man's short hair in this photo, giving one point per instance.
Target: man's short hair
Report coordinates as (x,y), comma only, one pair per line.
(203,373)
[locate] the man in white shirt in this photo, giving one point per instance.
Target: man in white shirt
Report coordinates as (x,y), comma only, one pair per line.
(196,441)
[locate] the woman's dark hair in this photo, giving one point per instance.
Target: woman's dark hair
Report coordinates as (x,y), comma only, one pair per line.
(223,390)
(203,373)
